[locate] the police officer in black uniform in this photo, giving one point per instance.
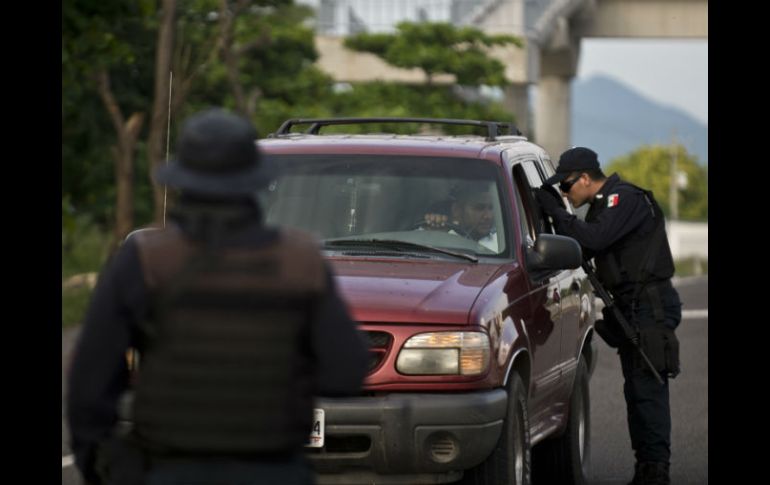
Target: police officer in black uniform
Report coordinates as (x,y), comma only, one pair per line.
(237,326)
(625,234)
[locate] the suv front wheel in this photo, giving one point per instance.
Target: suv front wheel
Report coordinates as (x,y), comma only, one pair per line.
(509,463)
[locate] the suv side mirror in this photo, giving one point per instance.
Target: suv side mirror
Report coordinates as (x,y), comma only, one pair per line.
(552,253)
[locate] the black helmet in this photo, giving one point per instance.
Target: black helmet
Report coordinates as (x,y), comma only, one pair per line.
(216,155)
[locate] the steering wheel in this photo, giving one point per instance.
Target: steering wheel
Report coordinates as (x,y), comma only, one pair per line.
(445,227)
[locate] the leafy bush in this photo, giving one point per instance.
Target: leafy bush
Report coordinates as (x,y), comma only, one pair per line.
(84,244)
(691,266)
(74,302)
(84,250)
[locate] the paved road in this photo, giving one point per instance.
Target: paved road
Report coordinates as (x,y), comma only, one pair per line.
(612,458)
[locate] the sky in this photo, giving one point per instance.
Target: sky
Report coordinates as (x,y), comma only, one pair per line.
(673,72)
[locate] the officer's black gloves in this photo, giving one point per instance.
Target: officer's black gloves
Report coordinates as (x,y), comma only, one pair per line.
(550,201)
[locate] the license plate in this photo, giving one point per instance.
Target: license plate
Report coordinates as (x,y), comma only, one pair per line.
(316,439)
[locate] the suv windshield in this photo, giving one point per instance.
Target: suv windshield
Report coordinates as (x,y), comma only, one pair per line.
(385,198)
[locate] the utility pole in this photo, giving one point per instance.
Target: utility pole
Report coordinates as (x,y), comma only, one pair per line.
(673,185)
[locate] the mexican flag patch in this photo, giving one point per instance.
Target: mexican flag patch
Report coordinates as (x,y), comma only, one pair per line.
(613,200)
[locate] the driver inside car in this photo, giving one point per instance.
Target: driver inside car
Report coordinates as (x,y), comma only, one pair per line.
(471,215)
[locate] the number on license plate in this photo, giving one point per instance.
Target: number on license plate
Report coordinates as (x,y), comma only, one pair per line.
(316,439)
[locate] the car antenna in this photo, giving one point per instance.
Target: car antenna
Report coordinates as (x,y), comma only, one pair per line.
(168,140)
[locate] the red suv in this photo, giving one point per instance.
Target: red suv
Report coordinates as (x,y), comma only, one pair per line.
(479,317)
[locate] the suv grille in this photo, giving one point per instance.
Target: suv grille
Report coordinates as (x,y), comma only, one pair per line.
(379,344)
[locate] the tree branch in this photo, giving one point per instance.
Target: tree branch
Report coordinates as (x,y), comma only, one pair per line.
(251,102)
(261,41)
(229,56)
(105,92)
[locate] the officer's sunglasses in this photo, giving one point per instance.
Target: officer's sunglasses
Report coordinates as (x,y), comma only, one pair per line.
(566,185)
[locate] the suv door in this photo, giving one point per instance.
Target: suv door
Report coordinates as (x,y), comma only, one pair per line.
(544,327)
(572,307)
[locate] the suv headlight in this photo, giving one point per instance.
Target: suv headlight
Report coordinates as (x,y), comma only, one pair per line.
(445,353)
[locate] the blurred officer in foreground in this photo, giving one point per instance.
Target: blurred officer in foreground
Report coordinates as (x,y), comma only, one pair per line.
(624,232)
(238,326)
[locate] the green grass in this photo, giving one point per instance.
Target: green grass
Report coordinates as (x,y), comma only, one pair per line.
(691,266)
(84,250)
(74,303)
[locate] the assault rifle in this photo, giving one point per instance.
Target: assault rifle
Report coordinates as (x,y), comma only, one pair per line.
(630,334)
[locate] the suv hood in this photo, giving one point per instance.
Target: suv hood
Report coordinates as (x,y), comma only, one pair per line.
(413,291)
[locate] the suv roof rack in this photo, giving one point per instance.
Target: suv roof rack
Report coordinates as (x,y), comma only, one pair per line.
(493,127)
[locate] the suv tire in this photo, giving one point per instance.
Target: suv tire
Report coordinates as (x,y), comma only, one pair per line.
(566,459)
(509,463)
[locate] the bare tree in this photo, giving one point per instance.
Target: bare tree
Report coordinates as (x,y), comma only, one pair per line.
(187,65)
(158,125)
(123,153)
(189,62)
(232,53)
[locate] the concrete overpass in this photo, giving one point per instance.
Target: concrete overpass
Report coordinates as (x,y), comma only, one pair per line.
(552,30)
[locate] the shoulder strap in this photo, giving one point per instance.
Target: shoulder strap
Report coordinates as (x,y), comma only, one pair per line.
(650,255)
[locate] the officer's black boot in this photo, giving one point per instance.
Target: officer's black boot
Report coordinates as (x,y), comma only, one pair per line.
(653,473)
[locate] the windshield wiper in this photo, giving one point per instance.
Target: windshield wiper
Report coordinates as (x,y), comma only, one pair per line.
(397,245)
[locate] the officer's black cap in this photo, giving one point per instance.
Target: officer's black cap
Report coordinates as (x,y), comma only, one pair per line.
(216,155)
(574,160)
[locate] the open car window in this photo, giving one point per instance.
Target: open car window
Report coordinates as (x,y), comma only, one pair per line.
(534,179)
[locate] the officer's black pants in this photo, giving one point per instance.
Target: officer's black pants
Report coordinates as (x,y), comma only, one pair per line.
(647,402)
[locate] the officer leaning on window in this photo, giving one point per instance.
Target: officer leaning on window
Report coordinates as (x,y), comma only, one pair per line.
(238,326)
(624,232)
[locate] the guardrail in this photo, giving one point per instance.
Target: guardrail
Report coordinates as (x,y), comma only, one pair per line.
(688,239)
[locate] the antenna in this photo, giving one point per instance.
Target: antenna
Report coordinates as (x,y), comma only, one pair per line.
(168,140)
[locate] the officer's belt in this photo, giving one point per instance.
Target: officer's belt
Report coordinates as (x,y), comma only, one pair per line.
(650,293)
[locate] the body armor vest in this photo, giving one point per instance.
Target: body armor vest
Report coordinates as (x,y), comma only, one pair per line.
(624,268)
(224,370)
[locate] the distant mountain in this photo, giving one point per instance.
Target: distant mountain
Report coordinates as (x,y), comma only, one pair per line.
(613,119)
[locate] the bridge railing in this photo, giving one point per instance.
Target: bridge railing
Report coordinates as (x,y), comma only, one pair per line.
(346,17)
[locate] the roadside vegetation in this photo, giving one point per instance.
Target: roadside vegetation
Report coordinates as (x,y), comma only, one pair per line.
(691,267)
(256,58)
(83,252)
(650,166)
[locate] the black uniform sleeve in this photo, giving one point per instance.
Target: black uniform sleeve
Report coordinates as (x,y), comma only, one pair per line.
(340,348)
(612,223)
(99,373)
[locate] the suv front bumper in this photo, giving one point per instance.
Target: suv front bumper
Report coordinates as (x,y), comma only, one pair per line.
(407,437)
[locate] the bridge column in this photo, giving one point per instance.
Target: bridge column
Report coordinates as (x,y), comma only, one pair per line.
(552,121)
(517,101)
(553,110)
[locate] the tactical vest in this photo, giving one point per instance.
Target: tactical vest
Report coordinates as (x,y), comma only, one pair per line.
(220,373)
(638,258)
